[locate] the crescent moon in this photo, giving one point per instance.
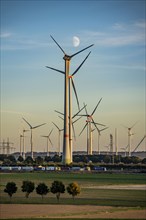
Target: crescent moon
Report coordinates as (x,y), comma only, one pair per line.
(76,41)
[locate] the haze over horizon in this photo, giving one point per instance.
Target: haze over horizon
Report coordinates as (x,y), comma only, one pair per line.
(114,71)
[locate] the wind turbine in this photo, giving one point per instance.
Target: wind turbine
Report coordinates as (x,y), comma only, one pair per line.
(66,158)
(89,129)
(31,128)
(129,137)
(48,140)
(59,138)
(99,135)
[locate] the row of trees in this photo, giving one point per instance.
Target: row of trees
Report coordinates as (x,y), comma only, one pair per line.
(42,189)
(11,160)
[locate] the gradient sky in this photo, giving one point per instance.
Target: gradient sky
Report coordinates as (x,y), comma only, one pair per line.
(115,69)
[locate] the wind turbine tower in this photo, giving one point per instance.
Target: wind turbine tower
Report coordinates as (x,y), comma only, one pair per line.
(23,136)
(116,141)
(111,148)
(66,157)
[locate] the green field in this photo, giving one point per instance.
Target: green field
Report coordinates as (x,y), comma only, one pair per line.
(92,196)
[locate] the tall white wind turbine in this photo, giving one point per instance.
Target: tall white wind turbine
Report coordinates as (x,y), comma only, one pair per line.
(67,148)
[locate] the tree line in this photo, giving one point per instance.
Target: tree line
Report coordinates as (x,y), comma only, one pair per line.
(11,160)
(57,187)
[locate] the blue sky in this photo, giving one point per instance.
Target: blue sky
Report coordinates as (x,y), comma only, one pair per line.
(115,69)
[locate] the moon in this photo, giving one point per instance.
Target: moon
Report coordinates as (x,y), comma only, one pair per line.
(76,41)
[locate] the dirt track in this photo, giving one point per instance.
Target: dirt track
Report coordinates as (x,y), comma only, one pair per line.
(126,186)
(10,211)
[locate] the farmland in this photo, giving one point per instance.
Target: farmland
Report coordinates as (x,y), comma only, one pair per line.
(118,191)
(95,188)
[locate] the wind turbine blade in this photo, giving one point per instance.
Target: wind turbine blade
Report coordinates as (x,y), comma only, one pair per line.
(124,126)
(59,112)
(58,44)
(51,142)
(133,125)
(78,112)
(104,129)
(73,85)
(139,143)
(38,126)
(56,125)
(60,71)
(61,117)
(99,124)
(95,126)
(81,64)
(83,128)
(81,51)
(50,133)
(96,107)
(86,109)
(84,115)
(74,131)
(27,123)
(77,119)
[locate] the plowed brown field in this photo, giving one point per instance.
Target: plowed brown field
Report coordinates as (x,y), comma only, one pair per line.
(10,211)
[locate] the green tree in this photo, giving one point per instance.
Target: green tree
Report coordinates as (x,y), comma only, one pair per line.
(73,189)
(11,188)
(29,160)
(57,188)
(47,159)
(56,158)
(42,189)
(12,159)
(39,160)
(107,159)
(27,187)
(144,161)
(20,159)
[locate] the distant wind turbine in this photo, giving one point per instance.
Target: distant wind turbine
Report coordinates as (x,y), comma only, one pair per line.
(99,135)
(129,137)
(59,137)
(48,140)
(89,129)
(31,140)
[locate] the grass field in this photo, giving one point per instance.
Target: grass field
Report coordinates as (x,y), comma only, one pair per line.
(81,178)
(91,196)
